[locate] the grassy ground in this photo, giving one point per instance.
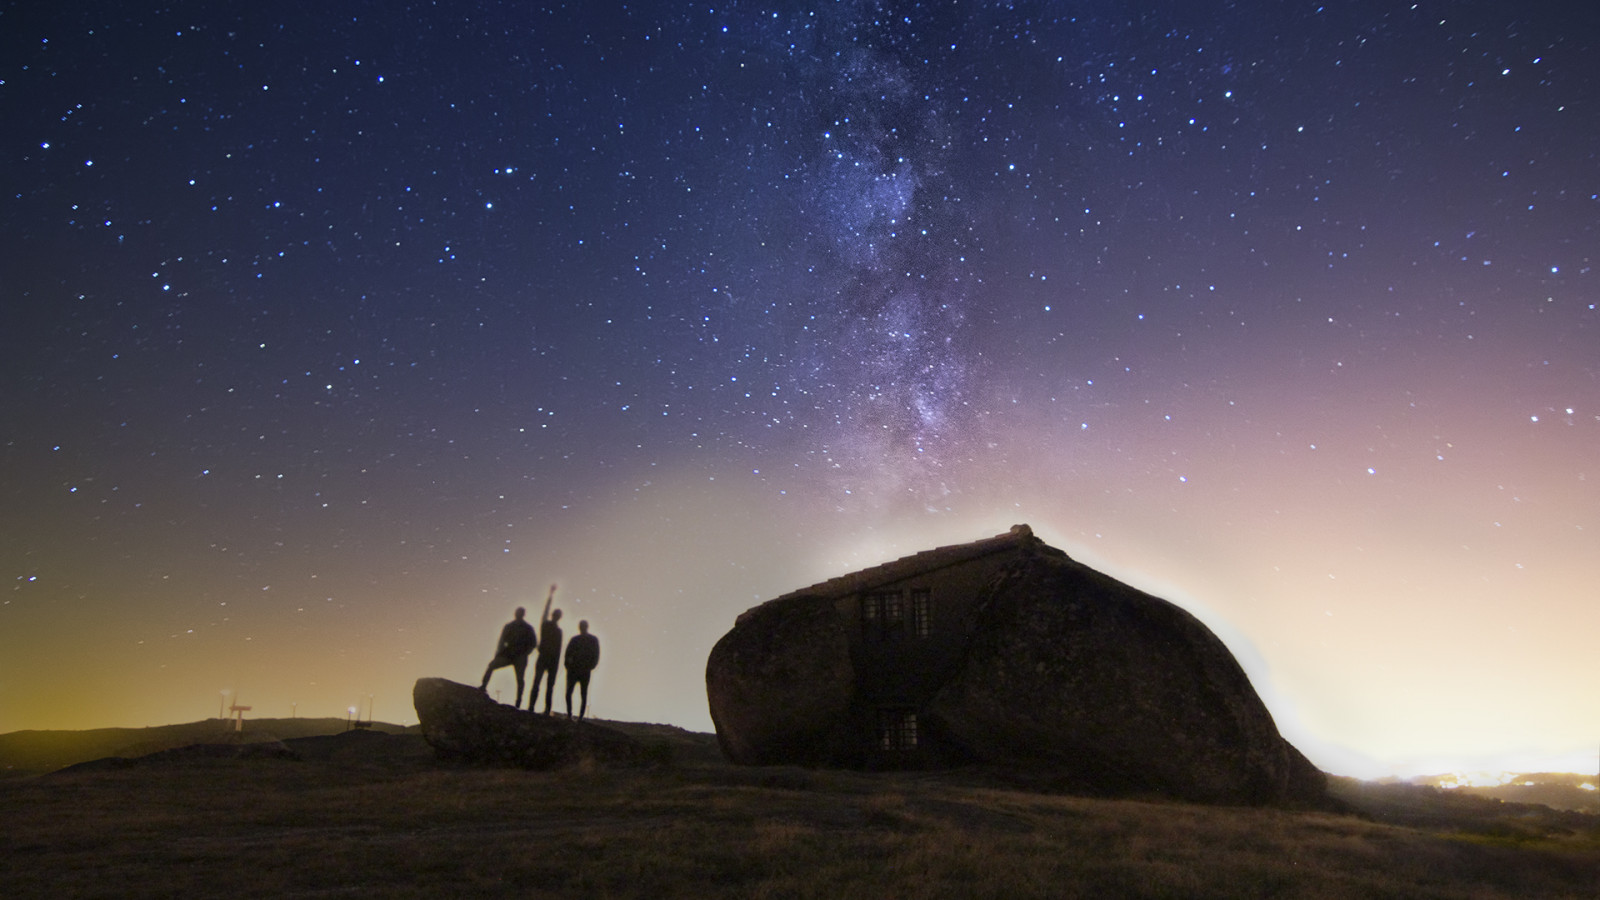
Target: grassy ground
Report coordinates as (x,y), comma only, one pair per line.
(373,816)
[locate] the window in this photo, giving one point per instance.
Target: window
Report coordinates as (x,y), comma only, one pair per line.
(888,615)
(919,612)
(897,730)
(883,615)
(894,610)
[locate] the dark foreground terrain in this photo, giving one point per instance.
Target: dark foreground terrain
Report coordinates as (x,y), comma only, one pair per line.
(371,814)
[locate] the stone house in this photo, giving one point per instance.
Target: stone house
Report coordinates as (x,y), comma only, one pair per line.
(1004,651)
(908,622)
(904,626)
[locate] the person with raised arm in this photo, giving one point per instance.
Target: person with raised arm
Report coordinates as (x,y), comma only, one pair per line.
(549,654)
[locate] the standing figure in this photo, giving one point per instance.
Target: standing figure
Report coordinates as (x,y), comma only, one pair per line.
(549,654)
(583,654)
(516,642)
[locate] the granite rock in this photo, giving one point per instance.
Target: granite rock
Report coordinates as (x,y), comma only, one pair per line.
(463,724)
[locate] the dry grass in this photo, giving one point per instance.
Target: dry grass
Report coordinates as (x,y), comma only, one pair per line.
(404,827)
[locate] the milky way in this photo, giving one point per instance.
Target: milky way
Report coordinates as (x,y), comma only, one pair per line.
(332,335)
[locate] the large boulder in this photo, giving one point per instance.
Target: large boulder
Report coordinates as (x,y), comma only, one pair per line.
(463,724)
(783,692)
(1116,690)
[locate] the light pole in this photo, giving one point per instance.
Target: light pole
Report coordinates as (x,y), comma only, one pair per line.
(349,717)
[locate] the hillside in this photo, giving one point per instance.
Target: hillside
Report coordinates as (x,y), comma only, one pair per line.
(372,814)
(25,753)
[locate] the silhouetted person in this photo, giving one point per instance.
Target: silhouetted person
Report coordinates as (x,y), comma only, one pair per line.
(516,642)
(549,654)
(583,654)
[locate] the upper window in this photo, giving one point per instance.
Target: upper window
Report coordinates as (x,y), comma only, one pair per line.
(882,615)
(888,615)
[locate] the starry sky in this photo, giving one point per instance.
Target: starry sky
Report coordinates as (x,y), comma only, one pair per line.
(331,333)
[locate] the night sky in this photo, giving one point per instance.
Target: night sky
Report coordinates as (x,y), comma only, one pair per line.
(333,332)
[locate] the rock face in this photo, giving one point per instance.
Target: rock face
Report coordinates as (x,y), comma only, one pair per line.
(785,686)
(1120,691)
(463,724)
(1045,667)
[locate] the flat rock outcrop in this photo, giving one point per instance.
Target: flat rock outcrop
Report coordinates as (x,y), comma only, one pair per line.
(1046,668)
(463,724)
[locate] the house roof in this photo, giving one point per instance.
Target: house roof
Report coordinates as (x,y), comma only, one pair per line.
(917,564)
